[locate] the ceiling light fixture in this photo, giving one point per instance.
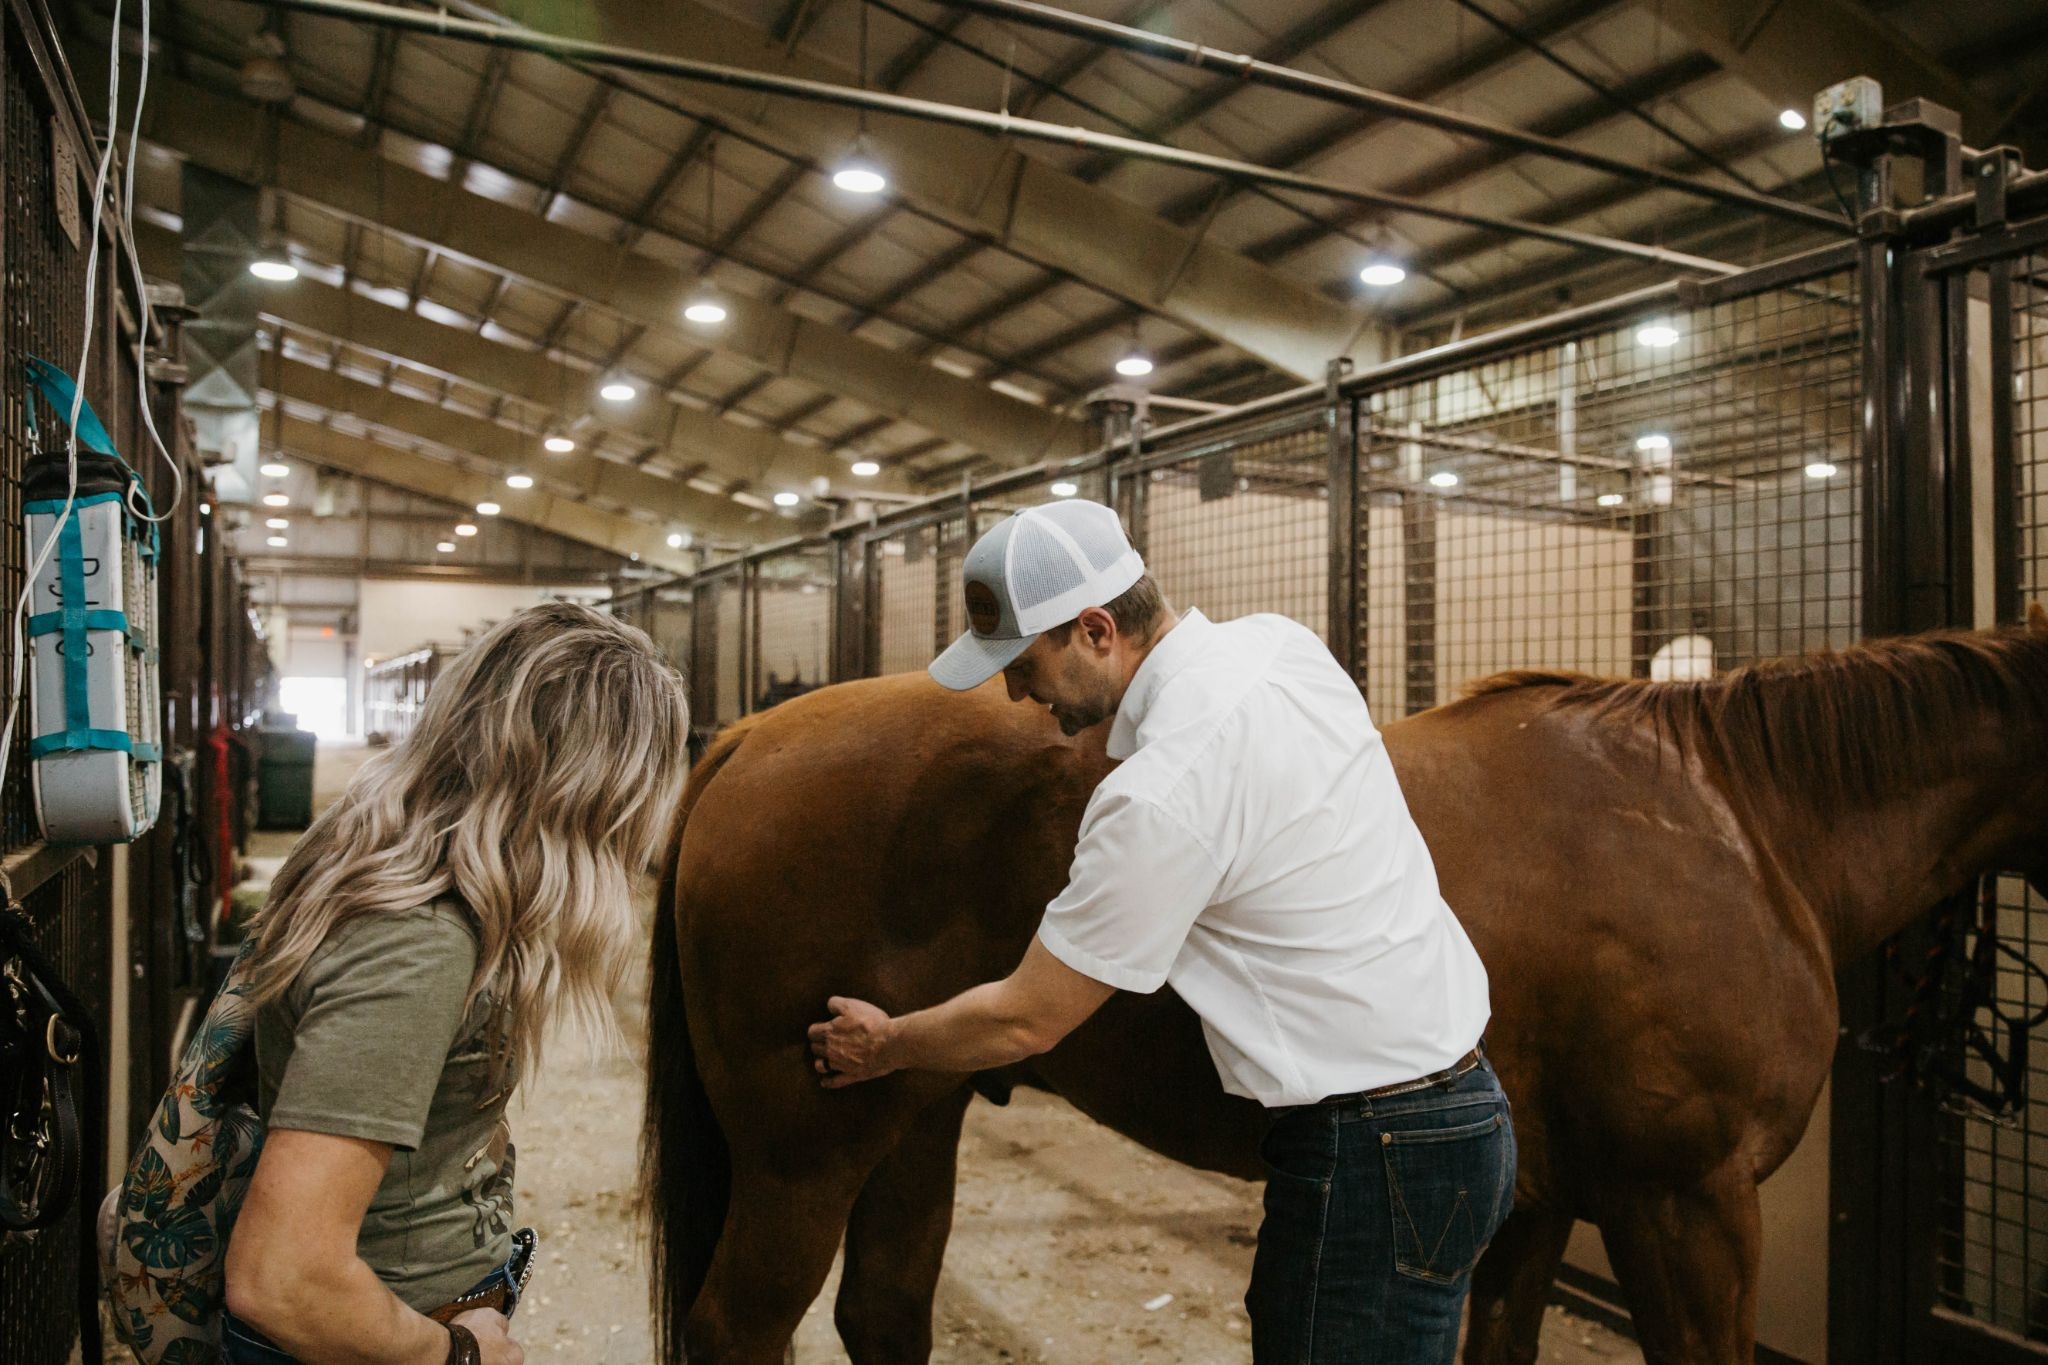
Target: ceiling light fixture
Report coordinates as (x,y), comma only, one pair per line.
(704,310)
(556,443)
(1792,121)
(271,469)
(859,175)
(277,523)
(866,469)
(522,482)
(787,499)
(264,77)
(1656,440)
(465,529)
(1443,478)
(1821,469)
(276,542)
(1063,489)
(619,389)
(1135,365)
(276,500)
(487,509)
(1657,335)
(1382,274)
(675,540)
(273,265)
(1609,499)
(446,547)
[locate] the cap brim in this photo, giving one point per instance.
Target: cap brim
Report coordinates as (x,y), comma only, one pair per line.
(972,660)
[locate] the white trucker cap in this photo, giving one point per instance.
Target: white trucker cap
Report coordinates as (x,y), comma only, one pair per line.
(1038,569)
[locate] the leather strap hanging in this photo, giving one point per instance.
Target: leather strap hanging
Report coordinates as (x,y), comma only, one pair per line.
(52,1136)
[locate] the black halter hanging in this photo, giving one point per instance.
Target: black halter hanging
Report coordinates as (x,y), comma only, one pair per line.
(52,1142)
(1954,1015)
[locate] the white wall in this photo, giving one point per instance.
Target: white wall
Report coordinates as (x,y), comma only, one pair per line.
(397,616)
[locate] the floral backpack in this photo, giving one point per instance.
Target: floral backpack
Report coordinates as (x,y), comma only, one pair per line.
(165,1228)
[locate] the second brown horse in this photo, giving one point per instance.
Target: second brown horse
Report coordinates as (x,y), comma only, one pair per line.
(1661,878)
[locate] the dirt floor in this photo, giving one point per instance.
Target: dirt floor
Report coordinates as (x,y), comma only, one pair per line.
(1070,1243)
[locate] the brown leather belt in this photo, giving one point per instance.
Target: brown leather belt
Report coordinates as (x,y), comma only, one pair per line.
(1450,1073)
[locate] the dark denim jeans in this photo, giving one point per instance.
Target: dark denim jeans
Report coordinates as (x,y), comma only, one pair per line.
(1376,1211)
(242,1344)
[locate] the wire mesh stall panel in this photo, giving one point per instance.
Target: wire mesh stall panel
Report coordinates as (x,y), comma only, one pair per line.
(1664,498)
(792,636)
(717,650)
(1992,1228)
(43,300)
(668,622)
(1240,523)
(1006,498)
(912,581)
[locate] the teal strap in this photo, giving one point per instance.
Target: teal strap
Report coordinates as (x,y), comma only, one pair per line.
(50,507)
(59,391)
(72,611)
(51,622)
(110,741)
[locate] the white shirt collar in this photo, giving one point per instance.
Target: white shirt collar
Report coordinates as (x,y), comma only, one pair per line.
(1169,654)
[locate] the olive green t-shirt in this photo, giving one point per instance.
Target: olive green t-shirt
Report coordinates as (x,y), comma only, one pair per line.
(372,1041)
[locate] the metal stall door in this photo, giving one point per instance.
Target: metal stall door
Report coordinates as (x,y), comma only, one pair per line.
(717,652)
(1238,522)
(1660,492)
(912,583)
(792,625)
(669,624)
(1664,495)
(1968,1251)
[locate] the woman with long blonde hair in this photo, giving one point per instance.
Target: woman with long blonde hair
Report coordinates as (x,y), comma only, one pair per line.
(473,887)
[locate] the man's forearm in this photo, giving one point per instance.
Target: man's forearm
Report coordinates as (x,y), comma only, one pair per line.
(977,1030)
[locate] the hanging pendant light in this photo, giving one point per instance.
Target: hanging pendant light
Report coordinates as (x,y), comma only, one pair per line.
(860,173)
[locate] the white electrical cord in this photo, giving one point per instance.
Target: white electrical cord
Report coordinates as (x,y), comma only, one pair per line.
(92,265)
(141,287)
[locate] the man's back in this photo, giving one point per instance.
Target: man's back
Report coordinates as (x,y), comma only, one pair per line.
(1323,959)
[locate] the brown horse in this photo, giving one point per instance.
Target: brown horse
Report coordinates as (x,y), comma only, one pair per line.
(1662,879)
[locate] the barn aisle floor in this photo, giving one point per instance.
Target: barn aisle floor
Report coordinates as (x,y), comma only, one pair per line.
(1064,1232)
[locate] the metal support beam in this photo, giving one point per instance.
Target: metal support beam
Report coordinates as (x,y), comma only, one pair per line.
(1790,49)
(620,485)
(415,473)
(228,135)
(926,151)
(1331,90)
(681,434)
(982,186)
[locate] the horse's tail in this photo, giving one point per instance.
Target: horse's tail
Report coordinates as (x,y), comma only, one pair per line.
(685,1173)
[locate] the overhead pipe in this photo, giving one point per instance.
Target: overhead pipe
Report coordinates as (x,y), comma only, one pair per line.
(1253,71)
(441,24)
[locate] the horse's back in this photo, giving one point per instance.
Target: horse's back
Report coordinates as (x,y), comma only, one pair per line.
(1647,990)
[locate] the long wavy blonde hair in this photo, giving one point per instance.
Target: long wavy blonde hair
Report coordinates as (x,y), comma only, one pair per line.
(538,784)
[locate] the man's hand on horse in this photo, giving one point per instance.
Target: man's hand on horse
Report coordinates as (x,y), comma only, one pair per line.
(848,1047)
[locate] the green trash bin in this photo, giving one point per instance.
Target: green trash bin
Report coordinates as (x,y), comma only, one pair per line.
(284,778)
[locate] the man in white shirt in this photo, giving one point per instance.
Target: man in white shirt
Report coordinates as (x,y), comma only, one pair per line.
(1253,850)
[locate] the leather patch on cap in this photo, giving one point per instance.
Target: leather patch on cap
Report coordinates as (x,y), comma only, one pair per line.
(983,609)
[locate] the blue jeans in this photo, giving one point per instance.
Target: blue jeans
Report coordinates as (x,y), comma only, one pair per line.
(1376,1211)
(242,1344)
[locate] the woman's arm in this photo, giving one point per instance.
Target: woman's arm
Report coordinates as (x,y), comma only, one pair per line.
(293,1272)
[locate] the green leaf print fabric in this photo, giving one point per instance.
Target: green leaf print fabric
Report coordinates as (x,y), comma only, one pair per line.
(165,1271)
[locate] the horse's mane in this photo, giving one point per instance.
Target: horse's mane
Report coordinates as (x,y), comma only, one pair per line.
(1854,724)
